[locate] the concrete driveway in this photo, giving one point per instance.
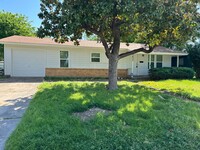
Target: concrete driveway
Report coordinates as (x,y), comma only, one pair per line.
(15,95)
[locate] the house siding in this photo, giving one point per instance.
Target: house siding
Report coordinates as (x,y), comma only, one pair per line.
(81,58)
(52,58)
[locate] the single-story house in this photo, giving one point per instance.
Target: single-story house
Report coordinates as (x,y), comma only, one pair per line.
(35,57)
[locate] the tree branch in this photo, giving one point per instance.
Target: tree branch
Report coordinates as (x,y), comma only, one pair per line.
(111,46)
(86,27)
(142,49)
(104,42)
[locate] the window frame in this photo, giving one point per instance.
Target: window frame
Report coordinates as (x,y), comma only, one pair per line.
(95,57)
(161,62)
(154,61)
(66,59)
(150,61)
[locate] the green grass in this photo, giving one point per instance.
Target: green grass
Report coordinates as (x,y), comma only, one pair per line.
(186,88)
(140,119)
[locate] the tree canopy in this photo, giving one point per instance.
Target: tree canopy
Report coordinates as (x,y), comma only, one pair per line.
(151,22)
(14,24)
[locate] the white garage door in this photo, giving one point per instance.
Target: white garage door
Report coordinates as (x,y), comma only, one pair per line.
(28,63)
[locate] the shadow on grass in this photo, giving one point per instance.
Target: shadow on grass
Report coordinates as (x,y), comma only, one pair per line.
(139,119)
(128,102)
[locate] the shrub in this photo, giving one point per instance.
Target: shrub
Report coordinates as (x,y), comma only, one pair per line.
(171,73)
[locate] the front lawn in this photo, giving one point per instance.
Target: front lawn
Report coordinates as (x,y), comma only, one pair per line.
(139,119)
(187,88)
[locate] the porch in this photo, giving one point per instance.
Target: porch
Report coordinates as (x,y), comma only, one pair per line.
(141,63)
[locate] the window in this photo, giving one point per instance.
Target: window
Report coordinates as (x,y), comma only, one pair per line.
(64,61)
(95,57)
(159,60)
(151,59)
(155,61)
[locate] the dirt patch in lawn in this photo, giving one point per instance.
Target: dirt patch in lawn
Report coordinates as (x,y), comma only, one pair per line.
(91,113)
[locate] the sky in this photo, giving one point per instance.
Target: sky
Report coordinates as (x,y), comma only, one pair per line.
(29,8)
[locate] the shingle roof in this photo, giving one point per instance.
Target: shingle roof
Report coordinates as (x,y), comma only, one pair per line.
(49,41)
(83,43)
(162,49)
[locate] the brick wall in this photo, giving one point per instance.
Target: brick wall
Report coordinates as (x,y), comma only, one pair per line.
(76,72)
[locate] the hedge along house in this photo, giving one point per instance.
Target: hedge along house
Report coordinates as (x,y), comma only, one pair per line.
(34,57)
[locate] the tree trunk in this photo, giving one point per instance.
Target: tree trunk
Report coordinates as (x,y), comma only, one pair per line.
(112,74)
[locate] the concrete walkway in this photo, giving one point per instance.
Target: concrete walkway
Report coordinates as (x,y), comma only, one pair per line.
(15,95)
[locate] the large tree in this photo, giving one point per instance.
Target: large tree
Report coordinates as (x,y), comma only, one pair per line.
(13,24)
(194,54)
(151,22)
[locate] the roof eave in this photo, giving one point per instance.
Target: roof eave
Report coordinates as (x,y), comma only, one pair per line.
(49,45)
(165,53)
(168,53)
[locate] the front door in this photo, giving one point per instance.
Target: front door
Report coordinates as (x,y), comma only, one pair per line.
(142,64)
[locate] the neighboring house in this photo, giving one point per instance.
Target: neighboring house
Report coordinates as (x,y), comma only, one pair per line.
(34,57)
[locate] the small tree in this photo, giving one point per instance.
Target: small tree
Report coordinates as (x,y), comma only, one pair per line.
(194,53)
(13,24)
(152,22)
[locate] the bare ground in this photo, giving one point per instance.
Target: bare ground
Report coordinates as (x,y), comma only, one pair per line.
(91,113)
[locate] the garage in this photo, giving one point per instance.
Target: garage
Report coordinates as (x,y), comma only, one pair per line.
(28,63)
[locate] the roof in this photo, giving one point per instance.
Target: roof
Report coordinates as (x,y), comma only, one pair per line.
(49,41)
(83,43)
(162,49)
